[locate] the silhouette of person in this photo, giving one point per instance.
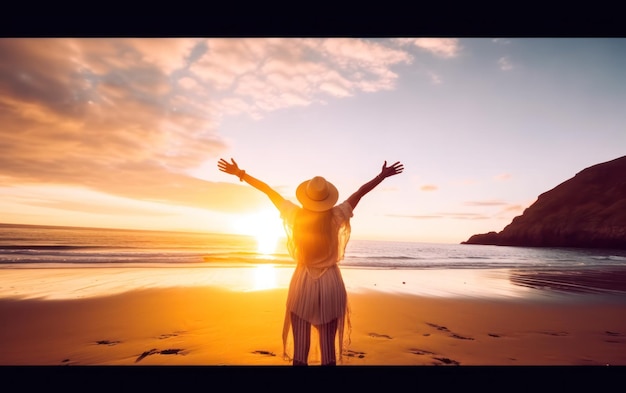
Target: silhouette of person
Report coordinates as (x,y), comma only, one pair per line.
(317,235)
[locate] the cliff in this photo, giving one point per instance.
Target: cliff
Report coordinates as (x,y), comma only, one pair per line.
(588,210)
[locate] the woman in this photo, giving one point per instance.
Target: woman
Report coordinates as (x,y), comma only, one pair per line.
(318,233)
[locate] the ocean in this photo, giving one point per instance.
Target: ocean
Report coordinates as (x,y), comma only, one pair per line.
(30,245)
(556,269)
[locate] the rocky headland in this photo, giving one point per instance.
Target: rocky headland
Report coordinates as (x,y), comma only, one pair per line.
(588,210)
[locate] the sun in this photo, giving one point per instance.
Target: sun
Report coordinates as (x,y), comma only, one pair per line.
(266,227)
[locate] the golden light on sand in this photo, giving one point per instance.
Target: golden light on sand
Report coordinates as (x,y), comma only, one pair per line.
(265,226)
(264,277)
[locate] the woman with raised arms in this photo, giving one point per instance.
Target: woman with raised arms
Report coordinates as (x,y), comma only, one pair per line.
(317,234)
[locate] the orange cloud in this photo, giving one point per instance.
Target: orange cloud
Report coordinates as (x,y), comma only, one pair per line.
(466,216)
(503,177)
(457,216)
(506,212)
(415,217)
(485,203)
(130,117)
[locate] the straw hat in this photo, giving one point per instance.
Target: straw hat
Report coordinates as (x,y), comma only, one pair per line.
(317,194)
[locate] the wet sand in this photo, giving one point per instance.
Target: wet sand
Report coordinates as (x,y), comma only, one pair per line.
(233,317)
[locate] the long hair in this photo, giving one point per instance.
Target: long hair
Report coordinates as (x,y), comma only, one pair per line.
(314,237)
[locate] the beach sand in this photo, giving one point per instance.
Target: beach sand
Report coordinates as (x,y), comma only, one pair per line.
(188,317)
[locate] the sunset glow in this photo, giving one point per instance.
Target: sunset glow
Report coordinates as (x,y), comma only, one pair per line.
(265,226)
(126,132)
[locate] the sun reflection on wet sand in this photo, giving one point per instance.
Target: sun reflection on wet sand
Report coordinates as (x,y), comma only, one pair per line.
(72,283)
(479,283)
(264,277)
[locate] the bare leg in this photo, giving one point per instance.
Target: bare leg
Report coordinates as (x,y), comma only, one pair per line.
(327,333)
(301,340)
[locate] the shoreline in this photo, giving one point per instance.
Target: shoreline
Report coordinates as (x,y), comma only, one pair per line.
(181,316)
(47,281)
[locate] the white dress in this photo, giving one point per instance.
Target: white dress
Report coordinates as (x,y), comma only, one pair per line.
(317,293)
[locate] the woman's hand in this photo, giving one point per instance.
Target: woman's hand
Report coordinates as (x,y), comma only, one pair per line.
(394,169)
(228,167)
(232,168)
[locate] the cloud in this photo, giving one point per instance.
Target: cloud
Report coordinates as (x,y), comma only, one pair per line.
(275,73)
(131,117)
(505,64)
(456,216)
(506,212)
(467,182)
(502,177)
(485,203)
(94,207)
(502,41)
(466,216)
(442,47)
(102,101)
(415,217)
(435,79)
(429,187)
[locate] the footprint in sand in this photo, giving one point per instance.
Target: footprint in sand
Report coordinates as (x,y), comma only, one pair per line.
(557,334)
(445,329)
(416,351)
(146,353)
(459,337)
(613,334)
(376,335)
(168,335)
(354,354)
(155,351)
(438,327)
(440,360)
(107,342)
(262,352)
(171,351)
(446,361)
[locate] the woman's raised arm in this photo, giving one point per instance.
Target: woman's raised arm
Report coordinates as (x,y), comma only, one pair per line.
(386,171)
(233,169)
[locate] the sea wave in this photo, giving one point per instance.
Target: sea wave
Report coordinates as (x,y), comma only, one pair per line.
(27,245)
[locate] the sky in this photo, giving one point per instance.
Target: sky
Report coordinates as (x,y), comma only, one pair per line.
(127,132)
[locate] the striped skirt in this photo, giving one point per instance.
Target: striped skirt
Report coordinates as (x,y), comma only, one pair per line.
(318,297)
